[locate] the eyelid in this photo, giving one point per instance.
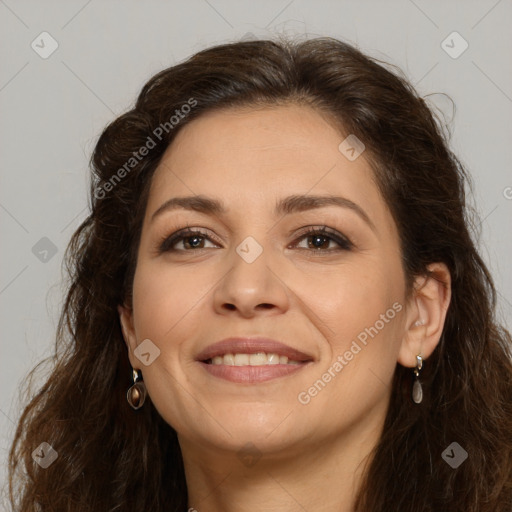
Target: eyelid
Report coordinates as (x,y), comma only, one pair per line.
(344,243)
(164,243)
(342,240)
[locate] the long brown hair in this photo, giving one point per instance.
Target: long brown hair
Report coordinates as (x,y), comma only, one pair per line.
(113,458)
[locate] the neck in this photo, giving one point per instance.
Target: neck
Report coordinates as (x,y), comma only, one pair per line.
(324,477)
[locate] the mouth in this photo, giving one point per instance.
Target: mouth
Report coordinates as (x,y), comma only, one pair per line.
(257,359)
(252,360)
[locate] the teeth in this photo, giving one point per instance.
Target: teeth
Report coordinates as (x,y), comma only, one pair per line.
(272,359)
(241,359)
(228,359)
(258,359)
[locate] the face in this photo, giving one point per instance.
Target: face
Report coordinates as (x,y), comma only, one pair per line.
(324,278)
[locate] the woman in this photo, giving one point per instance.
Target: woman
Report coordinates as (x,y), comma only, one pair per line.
(276,304)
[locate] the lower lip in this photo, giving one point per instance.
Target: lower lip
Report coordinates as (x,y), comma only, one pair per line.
(251,374)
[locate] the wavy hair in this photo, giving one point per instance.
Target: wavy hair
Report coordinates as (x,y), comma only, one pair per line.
(114,459)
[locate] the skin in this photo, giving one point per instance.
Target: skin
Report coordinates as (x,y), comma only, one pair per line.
(311,456)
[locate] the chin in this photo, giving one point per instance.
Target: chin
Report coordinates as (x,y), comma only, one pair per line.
(267,429)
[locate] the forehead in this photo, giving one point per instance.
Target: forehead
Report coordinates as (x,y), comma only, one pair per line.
(251,157)
(263,136)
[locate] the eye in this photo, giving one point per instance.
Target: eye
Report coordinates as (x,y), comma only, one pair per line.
(317,239)
(189,239)
(320,239)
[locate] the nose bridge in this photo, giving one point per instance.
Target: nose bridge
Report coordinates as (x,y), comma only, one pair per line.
(253,247)
(250,266)
(251,281)
(250,250)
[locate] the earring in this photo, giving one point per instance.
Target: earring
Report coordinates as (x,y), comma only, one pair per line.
(136,394)
(417,391)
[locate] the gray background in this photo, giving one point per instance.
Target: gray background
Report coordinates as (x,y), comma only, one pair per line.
(54,109)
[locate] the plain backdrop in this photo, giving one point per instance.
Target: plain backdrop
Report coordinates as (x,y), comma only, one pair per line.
(54,108)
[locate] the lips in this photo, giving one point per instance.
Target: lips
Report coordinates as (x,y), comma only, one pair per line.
(252,346)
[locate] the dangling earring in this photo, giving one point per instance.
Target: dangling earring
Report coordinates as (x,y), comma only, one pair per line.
(136,394)
(417,391)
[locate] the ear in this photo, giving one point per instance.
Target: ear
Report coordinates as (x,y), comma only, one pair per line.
(426,314)
(126,320)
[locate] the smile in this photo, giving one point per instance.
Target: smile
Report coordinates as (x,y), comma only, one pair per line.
(258,359)
(252,368)
(251,360)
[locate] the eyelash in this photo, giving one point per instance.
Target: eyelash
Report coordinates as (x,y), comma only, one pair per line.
(167,242)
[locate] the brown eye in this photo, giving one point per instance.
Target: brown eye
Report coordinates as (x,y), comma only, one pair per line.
(190,240)
(319,239)
(322,240)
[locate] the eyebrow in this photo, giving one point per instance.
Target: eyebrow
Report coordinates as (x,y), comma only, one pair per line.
(285,206)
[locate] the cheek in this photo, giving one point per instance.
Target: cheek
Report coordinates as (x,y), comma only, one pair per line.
(164,299)
(359,310)
(352,297)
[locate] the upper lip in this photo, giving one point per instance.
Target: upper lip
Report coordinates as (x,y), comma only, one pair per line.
(252,346)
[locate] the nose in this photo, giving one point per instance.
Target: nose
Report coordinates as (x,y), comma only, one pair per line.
(251,288)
